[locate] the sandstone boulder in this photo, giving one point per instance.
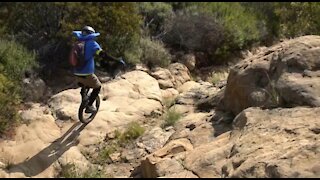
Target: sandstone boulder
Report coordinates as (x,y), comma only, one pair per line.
(51,136)
(180,73)
(278,143)
(35,89)
(286,75)
(169,93)
(164,78)
(263,143)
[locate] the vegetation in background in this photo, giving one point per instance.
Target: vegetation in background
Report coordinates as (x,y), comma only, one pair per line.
(218,29)
(47,27)
(268,21)
(218,76)
(155,15)
(154,53)
(298,18)
(194,31)
(9,100)
(14,60)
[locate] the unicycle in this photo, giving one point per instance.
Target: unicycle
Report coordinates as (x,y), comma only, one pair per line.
(85,94)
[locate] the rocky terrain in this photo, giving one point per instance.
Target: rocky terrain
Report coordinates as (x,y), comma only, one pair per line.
(262,122)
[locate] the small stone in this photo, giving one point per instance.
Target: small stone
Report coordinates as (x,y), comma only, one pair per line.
(168,128)
(111,135)
(47,111)
(2,165)
(141,145)
(115,157)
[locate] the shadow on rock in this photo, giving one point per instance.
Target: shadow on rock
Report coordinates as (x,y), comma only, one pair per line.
(45,158)
(222,122)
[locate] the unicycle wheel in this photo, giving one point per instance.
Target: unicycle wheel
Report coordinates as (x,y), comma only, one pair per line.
(88,117)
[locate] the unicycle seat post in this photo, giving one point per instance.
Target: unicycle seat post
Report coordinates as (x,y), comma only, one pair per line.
(84,91)
(84,94)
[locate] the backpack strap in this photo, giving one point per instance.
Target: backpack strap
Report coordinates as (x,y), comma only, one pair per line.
(84,48)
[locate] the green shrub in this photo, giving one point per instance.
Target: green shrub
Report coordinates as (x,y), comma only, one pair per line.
(132,132)
(241,25)
(194,30)
(71,171)
(217,29)
(154,53)
(268,23)
(118,23)
(133,55)
(9,100)
(218,76)
(47,27)
(171,117)
(155,14)
(298,18)
(104,154)
(14,60)
(241,28)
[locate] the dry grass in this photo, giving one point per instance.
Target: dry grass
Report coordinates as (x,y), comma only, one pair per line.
(218,76)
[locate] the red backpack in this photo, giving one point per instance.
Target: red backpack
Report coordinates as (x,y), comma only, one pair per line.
(77,56)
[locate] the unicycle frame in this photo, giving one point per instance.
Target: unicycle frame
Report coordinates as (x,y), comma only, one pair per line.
(84,103)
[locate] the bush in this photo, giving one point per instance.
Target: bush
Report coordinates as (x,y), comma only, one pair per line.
(268,23)
(218,76)
(71,171)
(154,53)
(119,23)
(171,117)
(298,18)
(105,152)
(14,60)
(9,100)
(217,29)
(241,28)
(37,26)
(241,25)
(194,31)
(155,14)
(47,27)
(133,131)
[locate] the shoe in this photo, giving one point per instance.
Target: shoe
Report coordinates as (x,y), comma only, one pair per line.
(90,109)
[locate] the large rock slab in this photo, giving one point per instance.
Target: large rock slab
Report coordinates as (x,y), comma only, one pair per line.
(275,143)
(286,75)
(23,152)
(263,143)
(53,136)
